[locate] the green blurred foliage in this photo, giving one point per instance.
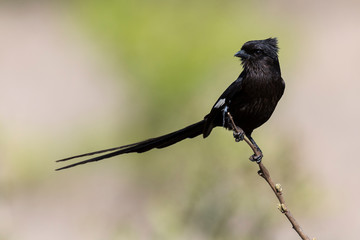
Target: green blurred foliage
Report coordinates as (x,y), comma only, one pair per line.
(177,59)
(171,49)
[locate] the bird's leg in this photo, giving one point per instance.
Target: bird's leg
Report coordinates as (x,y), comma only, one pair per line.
(257,157)
(240,135)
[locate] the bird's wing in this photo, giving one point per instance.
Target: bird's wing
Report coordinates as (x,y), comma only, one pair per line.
(216,115)
(234,89)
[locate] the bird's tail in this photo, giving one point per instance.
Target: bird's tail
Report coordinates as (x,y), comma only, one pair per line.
(139,147)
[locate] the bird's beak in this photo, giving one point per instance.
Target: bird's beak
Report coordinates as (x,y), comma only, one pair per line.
(242,54)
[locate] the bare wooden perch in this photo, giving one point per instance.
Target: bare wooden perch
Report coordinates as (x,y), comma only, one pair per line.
(277,189)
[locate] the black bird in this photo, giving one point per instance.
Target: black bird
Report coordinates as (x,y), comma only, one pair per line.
(248,103)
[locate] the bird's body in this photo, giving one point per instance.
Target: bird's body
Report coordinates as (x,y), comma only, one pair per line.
(250,99)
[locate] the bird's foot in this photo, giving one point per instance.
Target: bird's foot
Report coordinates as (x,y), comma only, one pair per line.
(238,134)
(256,157)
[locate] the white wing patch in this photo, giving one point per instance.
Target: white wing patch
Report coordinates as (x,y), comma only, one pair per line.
(220,103)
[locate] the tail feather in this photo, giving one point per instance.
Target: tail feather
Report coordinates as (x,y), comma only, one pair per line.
(143,146)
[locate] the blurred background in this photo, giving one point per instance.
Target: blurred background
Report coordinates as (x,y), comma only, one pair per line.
(78,76)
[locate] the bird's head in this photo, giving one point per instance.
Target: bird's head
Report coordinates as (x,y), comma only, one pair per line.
(259,50)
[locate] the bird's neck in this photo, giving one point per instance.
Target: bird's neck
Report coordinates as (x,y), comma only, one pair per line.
(262,71)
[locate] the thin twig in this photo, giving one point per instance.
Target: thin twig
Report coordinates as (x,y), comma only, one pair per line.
(277,189)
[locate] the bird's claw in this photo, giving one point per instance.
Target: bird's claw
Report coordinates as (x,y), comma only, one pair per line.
(239,135)
(256,158)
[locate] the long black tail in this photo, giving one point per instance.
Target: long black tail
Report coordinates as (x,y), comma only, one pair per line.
(139,147)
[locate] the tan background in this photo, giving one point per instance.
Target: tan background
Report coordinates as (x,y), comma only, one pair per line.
(56,82)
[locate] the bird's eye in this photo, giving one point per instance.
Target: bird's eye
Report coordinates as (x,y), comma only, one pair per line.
(258,51)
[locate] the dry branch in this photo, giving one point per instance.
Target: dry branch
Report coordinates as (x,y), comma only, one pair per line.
(277,189)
